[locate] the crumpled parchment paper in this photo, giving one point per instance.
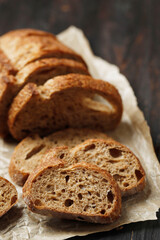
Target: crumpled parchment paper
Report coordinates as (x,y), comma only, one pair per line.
(19,223)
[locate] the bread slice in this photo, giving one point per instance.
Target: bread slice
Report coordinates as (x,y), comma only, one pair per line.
(29,152)
(109,155)
(82,192)
(27,45)
(8,195)
(37,72)
(72,100)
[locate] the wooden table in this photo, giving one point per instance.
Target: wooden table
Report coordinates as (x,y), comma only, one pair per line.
(123,32)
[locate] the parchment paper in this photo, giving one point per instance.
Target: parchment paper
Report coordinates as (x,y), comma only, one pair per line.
(19,223)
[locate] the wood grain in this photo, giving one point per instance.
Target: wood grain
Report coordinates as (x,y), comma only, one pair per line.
(125,33)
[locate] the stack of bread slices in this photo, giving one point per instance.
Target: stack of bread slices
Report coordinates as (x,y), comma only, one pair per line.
(69,167)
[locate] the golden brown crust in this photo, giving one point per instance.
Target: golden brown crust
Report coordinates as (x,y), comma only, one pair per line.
(76,82)
(27,45)
(51,67)
(13,199)
(7,90)
(5,65)
(45,210)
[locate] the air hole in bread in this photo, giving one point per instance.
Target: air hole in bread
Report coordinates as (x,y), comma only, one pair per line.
(54,199)
(125,184)
(63,190)
(103,211)
(89,193)
(86,207)
(116,177)
(81,186)
(139,175)
(61,156)
(110,196)
(13,199)
(80,196)
(98,195)
(122,170)
(38,202)
(115,152)
(34,151)
(98,103)
(68,202)
(48,187)
(90,147)
(67,178)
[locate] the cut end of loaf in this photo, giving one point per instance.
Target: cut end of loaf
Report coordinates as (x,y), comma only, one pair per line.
(80,192)
(116,158)
(8,196)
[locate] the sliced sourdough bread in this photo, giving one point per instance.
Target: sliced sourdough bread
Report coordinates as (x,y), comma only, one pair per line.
(72,100)
(30,151)
(27,45)
(82,192)
(37,72)
(109,155)
(8,195)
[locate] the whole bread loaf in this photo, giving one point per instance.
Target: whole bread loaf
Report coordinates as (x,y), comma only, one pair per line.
(8,196)
(29,152)
(82,192)
(109,155)
(72,100)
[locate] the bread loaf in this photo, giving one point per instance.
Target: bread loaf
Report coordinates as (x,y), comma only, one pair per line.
(24,46)
(65,101)
(37,72)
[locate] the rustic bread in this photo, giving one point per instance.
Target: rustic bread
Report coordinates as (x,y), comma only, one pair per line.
(5,65)
(30,151)
(65,101)
(109,155)
(8,195)
(82,192)
(37,72)
(27,45)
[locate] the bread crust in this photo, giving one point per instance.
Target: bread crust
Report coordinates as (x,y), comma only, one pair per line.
(58,86)
(27,45)
(7,90)
(14,198)
(45,210)
(70,137)
(11,85)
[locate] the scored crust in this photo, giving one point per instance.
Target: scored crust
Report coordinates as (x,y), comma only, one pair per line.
(27,45)
(64,101)
(81,191)
(37,72)
(8,196)
(29,152)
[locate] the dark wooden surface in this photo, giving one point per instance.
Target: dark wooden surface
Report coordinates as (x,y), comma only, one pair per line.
(125,33)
